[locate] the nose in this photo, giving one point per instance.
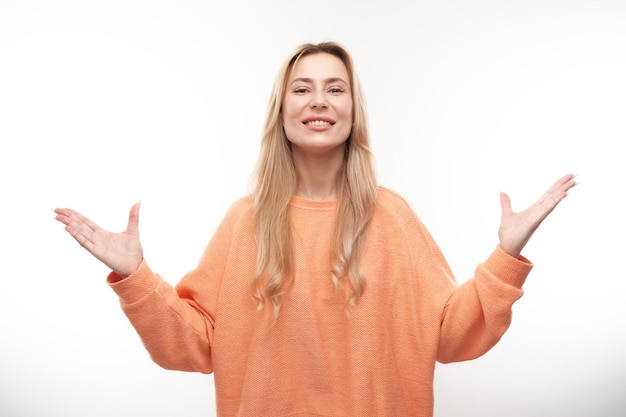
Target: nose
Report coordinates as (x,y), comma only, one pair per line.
(318,101)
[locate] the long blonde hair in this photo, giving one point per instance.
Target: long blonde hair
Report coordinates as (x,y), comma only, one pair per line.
(275,183)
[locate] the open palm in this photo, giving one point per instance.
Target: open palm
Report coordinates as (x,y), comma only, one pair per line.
(122,252)
(516,228)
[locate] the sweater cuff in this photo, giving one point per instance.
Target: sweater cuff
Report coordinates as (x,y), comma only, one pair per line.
(508,269)
(135,286)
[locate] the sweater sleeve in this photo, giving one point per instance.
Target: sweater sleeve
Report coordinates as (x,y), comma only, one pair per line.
(472,317)
(479,311)
(175,331)
(176,324)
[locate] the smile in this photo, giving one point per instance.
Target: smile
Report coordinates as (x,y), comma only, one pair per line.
(318,123)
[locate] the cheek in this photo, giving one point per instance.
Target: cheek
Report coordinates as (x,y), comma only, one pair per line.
(347,109)
(287,120)
(287,117)
(288,112)
(348,116)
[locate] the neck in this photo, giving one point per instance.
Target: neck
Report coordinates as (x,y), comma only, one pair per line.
(317,175)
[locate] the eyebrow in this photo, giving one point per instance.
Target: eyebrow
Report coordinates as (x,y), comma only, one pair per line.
(327,80)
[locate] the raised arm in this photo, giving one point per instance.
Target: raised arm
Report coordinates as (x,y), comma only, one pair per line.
(517,228)
(479,312)
(122,252)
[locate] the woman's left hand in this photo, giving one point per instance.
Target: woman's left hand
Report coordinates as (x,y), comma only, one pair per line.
(517,228)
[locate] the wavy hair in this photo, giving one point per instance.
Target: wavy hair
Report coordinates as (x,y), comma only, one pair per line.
(274,184)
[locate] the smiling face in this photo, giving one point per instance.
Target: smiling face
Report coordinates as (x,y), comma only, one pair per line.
(317,106)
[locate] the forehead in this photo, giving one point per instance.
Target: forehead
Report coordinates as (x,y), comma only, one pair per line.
(320,66)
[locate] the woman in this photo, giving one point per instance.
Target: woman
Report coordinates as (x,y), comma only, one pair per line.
(320,293)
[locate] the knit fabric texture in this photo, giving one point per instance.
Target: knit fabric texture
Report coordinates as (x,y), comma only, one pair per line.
(318,359)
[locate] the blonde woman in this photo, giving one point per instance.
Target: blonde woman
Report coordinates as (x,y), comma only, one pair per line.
(320,294)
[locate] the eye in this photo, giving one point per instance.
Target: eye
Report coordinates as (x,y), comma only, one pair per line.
(336,90)
(300,90)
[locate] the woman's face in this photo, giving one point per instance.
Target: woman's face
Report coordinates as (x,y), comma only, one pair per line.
(317,106)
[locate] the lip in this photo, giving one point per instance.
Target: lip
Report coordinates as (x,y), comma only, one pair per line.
(320,118)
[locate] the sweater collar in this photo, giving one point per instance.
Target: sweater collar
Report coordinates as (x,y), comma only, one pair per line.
(297,201)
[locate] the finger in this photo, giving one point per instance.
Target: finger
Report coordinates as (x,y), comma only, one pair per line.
(73,218)
(505,204)
(569,184)
(133,219)
(81,225)
(567,178)
(566,182)
(84,240)
(557,192)
(63,215)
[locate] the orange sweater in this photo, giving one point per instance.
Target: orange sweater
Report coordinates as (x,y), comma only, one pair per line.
(316,360)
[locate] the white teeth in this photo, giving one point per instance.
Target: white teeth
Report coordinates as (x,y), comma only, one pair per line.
(318,123)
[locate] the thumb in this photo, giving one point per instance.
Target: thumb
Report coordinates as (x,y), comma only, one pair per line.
(133,219)
(505,204)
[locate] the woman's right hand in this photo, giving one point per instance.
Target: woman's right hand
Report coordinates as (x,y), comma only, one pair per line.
(122,252)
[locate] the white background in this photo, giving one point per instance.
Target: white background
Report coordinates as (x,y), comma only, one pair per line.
(103,103)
